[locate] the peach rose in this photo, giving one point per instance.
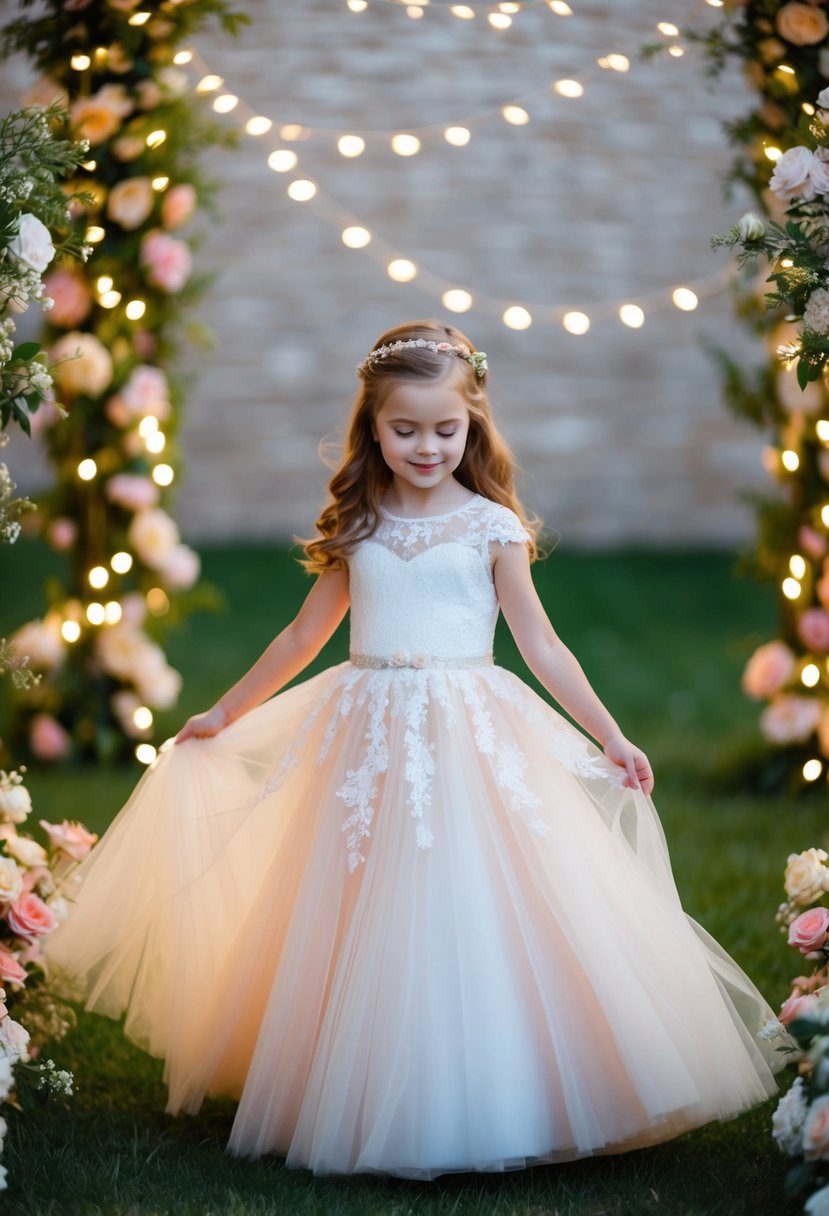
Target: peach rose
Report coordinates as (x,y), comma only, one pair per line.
(815,1131)
(158,685)
(48,739)
(153,535)
(15,802)
(806,877)
(62,533)
(11,880)
(168,261)
(768,669)
(813,629)
(29,917)
(44,91)
(801,24)
(88,373)
(128,147)
(42,641)
(72,297)
(130,202)
(98,117)
(70,838)
(178,205)
(10,970)
(26,852)
(120,649)
(790,719)
(809,930)
(798,1007)
(132,491)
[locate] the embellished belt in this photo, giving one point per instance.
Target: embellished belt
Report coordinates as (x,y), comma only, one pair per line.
(402,658)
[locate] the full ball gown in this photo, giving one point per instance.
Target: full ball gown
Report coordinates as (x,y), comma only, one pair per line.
(407,914)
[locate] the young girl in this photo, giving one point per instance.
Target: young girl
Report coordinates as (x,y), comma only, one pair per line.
(406,912)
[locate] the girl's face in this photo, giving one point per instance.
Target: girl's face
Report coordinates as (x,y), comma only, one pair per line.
(422,430)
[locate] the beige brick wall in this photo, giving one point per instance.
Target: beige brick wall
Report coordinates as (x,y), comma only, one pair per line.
(621,433)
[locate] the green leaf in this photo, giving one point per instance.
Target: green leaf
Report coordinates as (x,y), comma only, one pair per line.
(802,374)
(26,351)
(799,1176)
(23,418)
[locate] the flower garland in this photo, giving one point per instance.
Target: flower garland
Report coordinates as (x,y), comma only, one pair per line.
(113,334)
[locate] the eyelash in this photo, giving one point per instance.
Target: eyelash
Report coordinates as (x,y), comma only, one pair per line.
(443,434)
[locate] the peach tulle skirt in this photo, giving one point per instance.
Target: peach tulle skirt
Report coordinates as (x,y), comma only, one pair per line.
(411,934)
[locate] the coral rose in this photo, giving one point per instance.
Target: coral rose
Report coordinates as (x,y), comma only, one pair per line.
(72,297)
(178,205)
(768,669)
(130,202)
(70,838)
(98,117)
(29,917)
(809,930)
(42,641)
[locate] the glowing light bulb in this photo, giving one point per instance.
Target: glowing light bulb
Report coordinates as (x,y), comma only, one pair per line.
(112,612)
(516,317)
(414,11)
(458,137)
(810,675)
(103,283)
(462,11)
(516,115)
(70,631)
(145,752)
(615,62)
(456,300)
(155,441)
(110,299)
(668,28)
(89,165)
(822,430)
(358,6)
(812,770)
(785,69)
(569,88)
(208,84)
(225,102)
(791,588)
(401,270)
(135,309)
(98,577)
(143,717)
(405,145)
(576,322)
(351,145)
(632,315)
(121,561)
(283,160)
(139,18)
(797,566)
(807,108)
(301,190)
(147,425)
(94,234)
(182,57)
(499,21)
(772,153)
(163,474)
(356,237)
(824,515)
(684,298)
(80,62)
(789,459)
(509,7)
(292,130)
(258,125)
(160,183)
(560,8)
(95,613)
(87,469)
(676,51)
(155,139)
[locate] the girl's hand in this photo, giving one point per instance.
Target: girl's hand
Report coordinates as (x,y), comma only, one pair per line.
(202,725)
(622,752)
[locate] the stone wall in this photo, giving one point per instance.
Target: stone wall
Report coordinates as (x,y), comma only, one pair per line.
(621,433)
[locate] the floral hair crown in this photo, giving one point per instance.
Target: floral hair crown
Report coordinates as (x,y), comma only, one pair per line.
(477,358)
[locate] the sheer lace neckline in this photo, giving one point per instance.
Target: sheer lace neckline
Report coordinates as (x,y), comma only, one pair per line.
(417,519)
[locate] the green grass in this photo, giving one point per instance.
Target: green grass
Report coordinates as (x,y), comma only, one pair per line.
(663,639)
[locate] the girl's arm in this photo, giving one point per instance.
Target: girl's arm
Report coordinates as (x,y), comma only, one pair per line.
(556,667)
(289,652)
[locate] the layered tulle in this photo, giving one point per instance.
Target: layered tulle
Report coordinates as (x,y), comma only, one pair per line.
(414,923)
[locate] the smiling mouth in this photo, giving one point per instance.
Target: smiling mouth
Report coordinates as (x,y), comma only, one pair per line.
(425,467)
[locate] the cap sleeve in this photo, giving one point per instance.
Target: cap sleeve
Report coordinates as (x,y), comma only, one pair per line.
(505,526)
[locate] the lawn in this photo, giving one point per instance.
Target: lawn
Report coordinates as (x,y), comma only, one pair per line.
(663,637)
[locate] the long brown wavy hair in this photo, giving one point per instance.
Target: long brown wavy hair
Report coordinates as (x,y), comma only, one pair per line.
(362,478)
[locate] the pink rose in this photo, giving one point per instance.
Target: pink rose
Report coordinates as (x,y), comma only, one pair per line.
(809,930)
(768,669)
(812,542)
(70,838)
(790,719)
(178,205)
(30,917)
(797,1007)
(815,1130)
(181,568)
(47,738)
(62,533)
(133,491)
(130,202)
(147,392)
(168,261)
(10,970)
(813,629)
(72,297)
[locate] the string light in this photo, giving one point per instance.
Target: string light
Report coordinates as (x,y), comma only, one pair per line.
(121,562)
(70,631)
(401,270)
(405,145)
(98,577)
(143,717)
(517,317)
(576,322)
(685,299)
(351,145)
(155,139)
(302,190)
(155,441)
(182,57)
(790,588)
(456,300)
(283,160)
(135,310)
(80,62)
(139,18)
(356,237)
(810,675)
(225,102)
(145,752)
(790,460)
(112,612)
(163,474)
(812,770)
(258,125)
(160,183)
(95,613)
(797,565)
(87,469)
(94,234)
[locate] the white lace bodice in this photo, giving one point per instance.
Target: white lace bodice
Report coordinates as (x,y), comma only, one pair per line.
(423,588)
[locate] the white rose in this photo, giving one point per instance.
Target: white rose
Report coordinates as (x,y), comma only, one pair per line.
(13,1040)
(181,568)
(6,1078)
(153,535)
(11,881)
(42,641)
(28,852)
(89,373)
(819,172)
(15,803)
(60,908)
(823,99)
(33,244)
(790,718)
(791,177)
(818,1203)
(120,648)
(805,874)
(750,227)
(159,686)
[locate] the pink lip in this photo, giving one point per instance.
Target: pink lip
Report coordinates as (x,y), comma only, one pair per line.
(425,468)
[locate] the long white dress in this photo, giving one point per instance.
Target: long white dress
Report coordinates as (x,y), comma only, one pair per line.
(407,914)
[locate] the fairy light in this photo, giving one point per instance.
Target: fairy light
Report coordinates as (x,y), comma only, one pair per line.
(158,602)
(405,145)
(70,631)
(517,116)
(676,51)
(790,460)
(456,300)
(684,298)
(163,474)
(358,6)
(812,769)
(791,588)
(110,299)
(135,310)
(103,283)
(576,322)
(785,69)
(517,317)
(95,613)
(462,11)
(302,190)
(772,153)
(98,577)
(822,430)
(112,612)
(155,441)
(615,62)
(143,717)
(824,515)
(560,8)
(283,160)
(569,88)
(632,315)
(500,21)
(668,29)
(401,270)
(182,57)
(139,18)
(121,561)
(160,183)
(94,234)
(258,125)
(356,237)
(80,62)
(89,165)
(147,425)
(810,675)
(351,145)
(225,102)
(458,137)
(293,130)
(155,139)
(145,752)
(414,11)
(797,565)
(87,469)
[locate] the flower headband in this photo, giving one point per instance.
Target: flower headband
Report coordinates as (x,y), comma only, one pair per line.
(476,358)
